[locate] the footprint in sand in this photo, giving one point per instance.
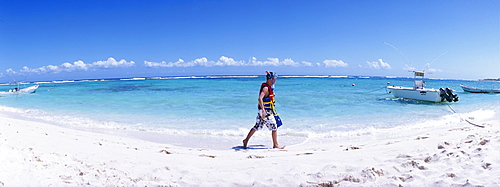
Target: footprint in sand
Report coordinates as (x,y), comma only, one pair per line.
(304,154)
(255,156)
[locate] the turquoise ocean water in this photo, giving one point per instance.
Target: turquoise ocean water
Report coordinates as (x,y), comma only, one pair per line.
(217,112)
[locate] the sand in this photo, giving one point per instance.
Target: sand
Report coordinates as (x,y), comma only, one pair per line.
(37,153)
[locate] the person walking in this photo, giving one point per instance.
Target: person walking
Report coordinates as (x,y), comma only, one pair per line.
(267,114)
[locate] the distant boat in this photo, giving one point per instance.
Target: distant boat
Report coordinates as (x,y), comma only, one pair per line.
(478,90)
(418,92)
(16,91)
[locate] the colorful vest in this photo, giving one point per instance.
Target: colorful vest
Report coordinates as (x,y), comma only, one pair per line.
(269,100)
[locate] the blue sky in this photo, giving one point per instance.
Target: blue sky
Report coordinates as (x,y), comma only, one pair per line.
(54,40)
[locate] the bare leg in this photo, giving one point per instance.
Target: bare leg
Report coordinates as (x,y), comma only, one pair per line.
(274,134)
(250,134)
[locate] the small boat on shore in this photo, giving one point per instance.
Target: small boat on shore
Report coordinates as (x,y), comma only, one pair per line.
(478,90)
(418,92)
(16,91)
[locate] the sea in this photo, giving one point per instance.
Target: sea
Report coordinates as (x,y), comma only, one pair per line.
(217,112)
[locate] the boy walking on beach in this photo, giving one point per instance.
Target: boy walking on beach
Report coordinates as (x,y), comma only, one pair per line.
(267,114)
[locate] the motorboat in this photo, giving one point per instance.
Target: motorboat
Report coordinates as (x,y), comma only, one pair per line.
(478,90)
(418,92)
(16,91)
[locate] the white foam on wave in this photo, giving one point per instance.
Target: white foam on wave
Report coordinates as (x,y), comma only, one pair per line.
(82,122)
(290,135)
(19,110)
(87,123)
(410,129)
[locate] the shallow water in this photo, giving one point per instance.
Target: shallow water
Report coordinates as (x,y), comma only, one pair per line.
(218,109)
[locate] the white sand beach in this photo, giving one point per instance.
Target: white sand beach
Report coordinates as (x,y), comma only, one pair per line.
(36,153)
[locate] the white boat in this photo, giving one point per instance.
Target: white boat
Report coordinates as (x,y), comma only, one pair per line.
(16,91)
(478,90)
(418,92)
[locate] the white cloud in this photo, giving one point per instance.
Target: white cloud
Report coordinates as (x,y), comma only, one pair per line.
(378,64)
(305,63)
(430,70)
(226,61)
(75,66)
(230,61)
(290,62)
(111,63)
(272,62)
(178,63)
(199,62)
(78,65)
(10,71)
(335,63)
(427,65)
(409,68)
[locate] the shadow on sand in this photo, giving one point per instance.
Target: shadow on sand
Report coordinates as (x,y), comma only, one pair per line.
(238,148)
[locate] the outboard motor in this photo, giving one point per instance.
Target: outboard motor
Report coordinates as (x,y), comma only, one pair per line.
(447,94)
(452,96)
(442,94)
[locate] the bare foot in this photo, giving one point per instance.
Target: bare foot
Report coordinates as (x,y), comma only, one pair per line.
(245,142)
(279,147)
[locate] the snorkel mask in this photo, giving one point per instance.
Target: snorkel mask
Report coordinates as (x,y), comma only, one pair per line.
(272,76)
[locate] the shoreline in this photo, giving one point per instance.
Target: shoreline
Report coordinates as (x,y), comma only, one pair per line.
(140,78)
(36,153)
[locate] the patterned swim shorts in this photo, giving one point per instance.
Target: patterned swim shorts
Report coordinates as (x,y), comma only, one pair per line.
(269,121)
